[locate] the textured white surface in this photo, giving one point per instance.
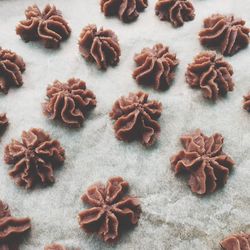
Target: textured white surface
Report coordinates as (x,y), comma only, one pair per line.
(173,218)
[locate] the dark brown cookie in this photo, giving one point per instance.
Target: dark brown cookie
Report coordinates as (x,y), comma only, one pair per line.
(34,158)
(239,241)
(210,73)
(55,246)
(155,67)
(111,209)
(204,160)
(225,33)
(11,68)
(48,26)
(246,102)
(126,10)
(136,118)
(11,228)
(99,46)
(69,102)
(175,11)
(4,122)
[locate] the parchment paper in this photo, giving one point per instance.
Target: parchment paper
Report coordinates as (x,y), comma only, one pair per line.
(173,218)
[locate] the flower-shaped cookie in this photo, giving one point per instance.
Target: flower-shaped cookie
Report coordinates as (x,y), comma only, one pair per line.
(34,158)
(101,47)
(155,67)
(136,118)
(55,246)
(11,227)
(227,33)
(246,102)
(204,160)
(49,26)
(111,209)
(175,11)
(3,122)
(11,68)
(239,241)
(126,10)
(69,102)
(210,73)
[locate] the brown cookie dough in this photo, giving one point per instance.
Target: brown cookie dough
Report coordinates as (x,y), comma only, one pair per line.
(175,11)
(34,158)
(225,33)
(69,102)
(11,68)
(48,26)
(111,209)
(136,118)
(211,73)
(11,228)
(204,160)
(126,10)
(155,67)
(99,46)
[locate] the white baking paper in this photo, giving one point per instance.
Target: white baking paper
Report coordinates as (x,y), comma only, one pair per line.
(173,218)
